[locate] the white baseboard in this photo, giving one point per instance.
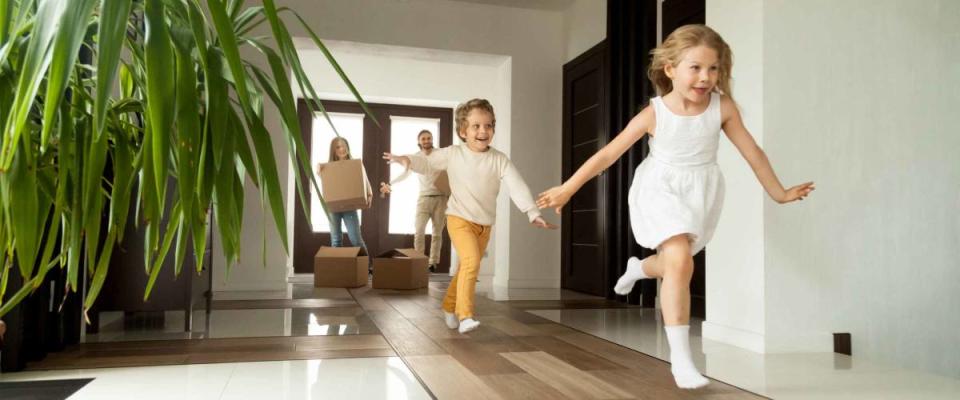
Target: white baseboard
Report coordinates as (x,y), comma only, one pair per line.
(736,337)
(485,283)
(306,277)
(800,342)
(248,286)
(536,283)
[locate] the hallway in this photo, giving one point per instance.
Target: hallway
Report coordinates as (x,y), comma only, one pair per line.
(371,344)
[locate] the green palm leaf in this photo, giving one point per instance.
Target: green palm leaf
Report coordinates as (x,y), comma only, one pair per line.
(187,116)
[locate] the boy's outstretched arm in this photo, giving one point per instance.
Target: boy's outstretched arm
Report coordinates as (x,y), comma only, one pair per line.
(557,196)
(757,158)
(520,194)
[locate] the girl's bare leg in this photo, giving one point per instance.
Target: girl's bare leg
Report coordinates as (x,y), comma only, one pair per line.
(675,264)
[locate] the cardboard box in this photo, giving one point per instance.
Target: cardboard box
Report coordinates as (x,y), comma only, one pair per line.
(345,185)
(344,267)
(442,183)
(400,269)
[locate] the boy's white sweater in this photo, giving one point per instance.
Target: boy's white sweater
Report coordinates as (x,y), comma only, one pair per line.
(475,182)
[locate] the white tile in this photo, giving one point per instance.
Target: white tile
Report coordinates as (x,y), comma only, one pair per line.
(780,376)
(357,378)
(223,324)
(204,381)
(250,323)
(112,328)
(254,294)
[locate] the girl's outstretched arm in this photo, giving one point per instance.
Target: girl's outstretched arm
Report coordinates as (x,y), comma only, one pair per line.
(755,156)
(557,196)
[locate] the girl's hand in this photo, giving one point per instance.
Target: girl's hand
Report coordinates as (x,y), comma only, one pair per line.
(555,197)
(384,189)
(539,222)
(402,160)
(796,193)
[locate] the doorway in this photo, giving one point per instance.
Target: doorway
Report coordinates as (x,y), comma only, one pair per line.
(389,223)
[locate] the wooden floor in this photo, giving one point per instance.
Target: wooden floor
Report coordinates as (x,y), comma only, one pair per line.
(512,355)
(517,355)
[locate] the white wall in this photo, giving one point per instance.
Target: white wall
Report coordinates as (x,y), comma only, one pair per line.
(860,96)
(584,25)
(534,42)
(734,276)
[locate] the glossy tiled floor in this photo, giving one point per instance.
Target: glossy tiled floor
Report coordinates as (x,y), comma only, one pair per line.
(306,343)
(312,312)
(236,323)
(357,378)
(780,376)
(512,355)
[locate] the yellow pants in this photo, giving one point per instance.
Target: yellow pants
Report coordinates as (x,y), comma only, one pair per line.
(470,240)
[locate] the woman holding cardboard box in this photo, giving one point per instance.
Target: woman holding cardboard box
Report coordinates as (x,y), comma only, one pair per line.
(340,151)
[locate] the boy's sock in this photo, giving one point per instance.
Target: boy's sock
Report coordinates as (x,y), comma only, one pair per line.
(468,324)
(451,319)
(632,275)
(681,362)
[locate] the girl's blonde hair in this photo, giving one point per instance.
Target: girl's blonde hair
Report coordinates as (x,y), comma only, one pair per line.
(333,148)
(681,40)
(464,109)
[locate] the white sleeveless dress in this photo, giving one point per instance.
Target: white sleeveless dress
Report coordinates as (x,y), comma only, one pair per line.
(678,188)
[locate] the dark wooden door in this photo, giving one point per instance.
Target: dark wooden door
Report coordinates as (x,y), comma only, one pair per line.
(584,229)
(374,224)
(677,13)
(306,241)
(631,35)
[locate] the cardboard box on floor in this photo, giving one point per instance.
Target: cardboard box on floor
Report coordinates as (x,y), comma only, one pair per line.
(442,183)
(400,269)
(343,267)
(345,185)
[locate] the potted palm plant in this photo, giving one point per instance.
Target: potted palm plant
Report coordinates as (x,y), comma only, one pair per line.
(163,92)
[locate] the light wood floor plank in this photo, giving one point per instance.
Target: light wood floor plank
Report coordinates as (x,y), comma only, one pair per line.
(448,379)
(565,377)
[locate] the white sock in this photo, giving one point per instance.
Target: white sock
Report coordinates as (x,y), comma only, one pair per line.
(451,319)
(681,361)
(468,324)
(633,274)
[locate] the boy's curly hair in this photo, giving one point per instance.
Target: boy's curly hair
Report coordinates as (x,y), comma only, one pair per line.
(464,109)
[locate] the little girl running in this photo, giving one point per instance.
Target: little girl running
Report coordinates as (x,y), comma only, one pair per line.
(677,191)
